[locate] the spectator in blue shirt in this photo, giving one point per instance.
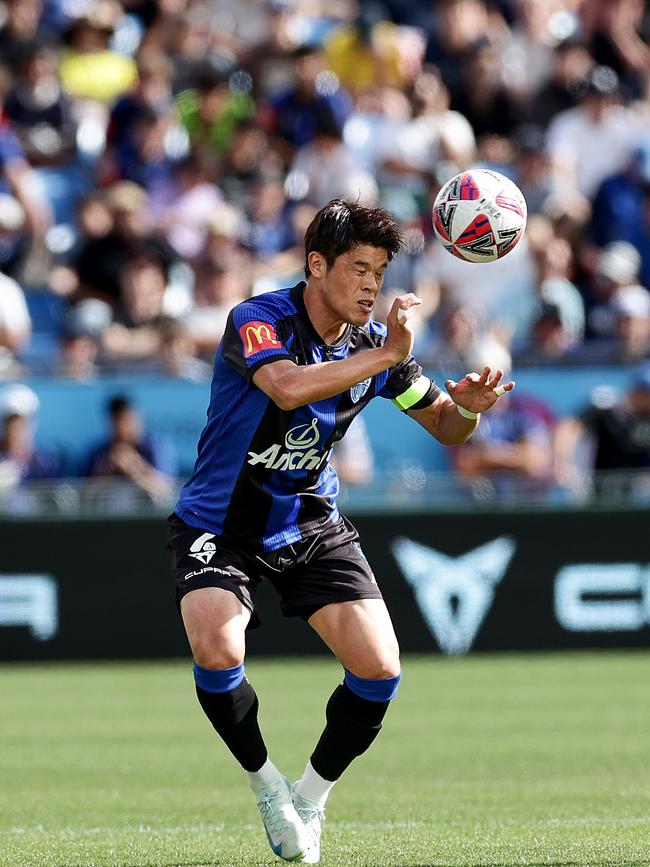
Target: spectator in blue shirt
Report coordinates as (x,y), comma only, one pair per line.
(619,207)
(269,224)
(143,158)
(296,111)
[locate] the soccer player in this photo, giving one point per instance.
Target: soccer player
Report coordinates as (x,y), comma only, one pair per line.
(294,368)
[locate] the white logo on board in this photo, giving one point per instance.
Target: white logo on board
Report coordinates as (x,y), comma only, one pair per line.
(32,601)
(454,594)
(202,549)
(603,597)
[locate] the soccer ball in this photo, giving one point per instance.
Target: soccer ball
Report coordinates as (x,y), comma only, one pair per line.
(479,215)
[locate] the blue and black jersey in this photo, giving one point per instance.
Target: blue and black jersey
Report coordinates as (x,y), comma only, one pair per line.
(262,476)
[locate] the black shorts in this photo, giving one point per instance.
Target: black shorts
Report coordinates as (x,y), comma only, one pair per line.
(328,567)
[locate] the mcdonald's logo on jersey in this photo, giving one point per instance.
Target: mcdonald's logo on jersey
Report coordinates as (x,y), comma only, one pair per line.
(256,336)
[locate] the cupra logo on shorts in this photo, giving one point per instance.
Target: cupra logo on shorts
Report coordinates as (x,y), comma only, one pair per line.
(203,550)
(256,336)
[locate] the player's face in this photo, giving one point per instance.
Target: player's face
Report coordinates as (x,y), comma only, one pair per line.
(353,282)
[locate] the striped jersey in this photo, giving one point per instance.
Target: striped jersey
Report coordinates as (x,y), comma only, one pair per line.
(262,477)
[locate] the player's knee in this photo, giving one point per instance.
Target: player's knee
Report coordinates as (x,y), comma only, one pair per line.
(383,669)
(218,658)
(383,666)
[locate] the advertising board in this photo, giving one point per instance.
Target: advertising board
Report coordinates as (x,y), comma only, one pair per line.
(454,583)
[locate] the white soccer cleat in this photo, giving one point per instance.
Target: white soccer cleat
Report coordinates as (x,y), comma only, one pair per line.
(312,815)
(288,836)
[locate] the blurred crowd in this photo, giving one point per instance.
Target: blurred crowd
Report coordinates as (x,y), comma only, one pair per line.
(161,159)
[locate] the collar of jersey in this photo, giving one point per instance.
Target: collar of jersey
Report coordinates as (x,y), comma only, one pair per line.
(298,292)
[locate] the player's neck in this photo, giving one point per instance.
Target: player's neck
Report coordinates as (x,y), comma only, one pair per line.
(323,318)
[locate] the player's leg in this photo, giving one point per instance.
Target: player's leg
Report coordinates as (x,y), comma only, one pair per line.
(215,621)
(214,591)
(361,635)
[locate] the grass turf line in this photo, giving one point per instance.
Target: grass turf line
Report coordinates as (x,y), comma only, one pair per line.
(484,761)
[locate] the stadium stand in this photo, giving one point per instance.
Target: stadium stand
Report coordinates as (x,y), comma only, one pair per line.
(186,147)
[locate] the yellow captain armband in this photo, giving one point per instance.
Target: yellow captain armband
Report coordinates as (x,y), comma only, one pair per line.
(413,394)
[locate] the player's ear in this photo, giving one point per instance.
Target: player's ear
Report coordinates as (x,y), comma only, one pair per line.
(317,264)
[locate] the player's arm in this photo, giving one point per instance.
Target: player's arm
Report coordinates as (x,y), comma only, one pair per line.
(290,385)
(475,393)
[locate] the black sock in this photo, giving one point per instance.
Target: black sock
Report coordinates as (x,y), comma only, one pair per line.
(352,725)
(234,716)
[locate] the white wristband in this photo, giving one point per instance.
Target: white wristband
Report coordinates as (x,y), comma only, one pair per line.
(466,413)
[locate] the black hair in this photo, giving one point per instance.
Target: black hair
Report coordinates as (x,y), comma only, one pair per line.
(305,50)
(146,115)
(117,405)
(34,48)
(340,226)
(326,123)
(208,77)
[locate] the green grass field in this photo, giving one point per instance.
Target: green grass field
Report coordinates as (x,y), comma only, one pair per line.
(486,760)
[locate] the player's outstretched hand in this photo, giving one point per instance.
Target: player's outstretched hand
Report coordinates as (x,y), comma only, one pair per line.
(400,335)
(478,392)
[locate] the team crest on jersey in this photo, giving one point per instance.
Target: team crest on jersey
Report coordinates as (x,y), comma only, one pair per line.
(256,336)
(357,391)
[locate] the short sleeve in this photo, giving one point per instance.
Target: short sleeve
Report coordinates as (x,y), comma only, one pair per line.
(408,387)
(253,337)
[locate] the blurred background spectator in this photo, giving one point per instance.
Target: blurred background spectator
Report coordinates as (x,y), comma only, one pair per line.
(512,449)
(139,462)
(612,436)
(316,90)
(38,109)
(20,459)
(595,139)
(91,69)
